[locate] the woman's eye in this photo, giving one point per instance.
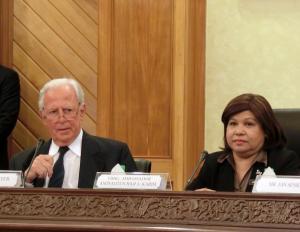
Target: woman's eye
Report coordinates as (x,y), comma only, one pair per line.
(232,123)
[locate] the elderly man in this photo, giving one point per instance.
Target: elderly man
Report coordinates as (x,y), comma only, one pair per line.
(71,158)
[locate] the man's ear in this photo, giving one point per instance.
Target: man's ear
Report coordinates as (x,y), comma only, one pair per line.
(82,109)
(43,117)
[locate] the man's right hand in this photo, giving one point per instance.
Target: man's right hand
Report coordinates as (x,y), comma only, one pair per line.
(42,167)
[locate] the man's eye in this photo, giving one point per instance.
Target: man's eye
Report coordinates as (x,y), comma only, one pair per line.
(53,112)
(67,110)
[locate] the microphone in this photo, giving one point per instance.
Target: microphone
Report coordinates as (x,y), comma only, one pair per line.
(37,148)
(202,157)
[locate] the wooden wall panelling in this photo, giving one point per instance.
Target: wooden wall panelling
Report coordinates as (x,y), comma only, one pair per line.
(83,21)
(104,68)
(23,137)
(141,75)
(134,75)
(195,84)
(90,7)
(39,58)
(150,84)
(6,32)
(56,45)
(188,98)
(66,30)
(178,117)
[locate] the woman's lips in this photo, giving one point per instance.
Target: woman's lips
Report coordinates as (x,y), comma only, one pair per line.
(239,141)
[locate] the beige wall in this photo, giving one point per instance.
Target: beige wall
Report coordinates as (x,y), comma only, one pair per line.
(251,46)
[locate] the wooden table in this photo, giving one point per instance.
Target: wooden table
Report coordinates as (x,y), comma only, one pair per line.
(39,209)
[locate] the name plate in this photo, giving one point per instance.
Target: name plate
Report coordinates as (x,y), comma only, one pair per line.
(11,179)
(277,185)
(130,181)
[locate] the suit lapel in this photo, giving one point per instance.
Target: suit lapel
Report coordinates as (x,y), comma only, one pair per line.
(43,150)
(91,161)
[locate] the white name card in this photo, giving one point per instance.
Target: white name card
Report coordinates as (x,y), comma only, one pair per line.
(8,179)
(277,185)
(117,181)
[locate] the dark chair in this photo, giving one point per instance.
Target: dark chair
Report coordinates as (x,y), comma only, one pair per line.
(143,165)
(289,120)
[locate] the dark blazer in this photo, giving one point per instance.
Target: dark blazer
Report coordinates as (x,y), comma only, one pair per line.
(9,109)
(220,176)
(97,155)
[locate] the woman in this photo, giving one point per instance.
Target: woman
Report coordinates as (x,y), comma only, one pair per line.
(253,140)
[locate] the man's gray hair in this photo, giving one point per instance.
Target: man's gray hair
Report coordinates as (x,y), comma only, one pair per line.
(57,83)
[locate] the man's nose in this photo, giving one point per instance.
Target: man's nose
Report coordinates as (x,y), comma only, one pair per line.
(60,114)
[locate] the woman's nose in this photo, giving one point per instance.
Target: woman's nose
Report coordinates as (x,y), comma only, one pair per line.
(239,129)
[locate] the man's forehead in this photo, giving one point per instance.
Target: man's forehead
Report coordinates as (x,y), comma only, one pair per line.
(62,97)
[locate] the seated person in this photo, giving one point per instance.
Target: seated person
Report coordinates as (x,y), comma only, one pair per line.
(62,108)
(253,140)
(9,109)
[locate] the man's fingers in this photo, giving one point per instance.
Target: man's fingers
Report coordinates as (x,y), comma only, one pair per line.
(41,167)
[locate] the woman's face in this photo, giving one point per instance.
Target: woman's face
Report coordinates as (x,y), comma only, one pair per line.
(244,134)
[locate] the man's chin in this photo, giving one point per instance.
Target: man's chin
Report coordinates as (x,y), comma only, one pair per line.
(64,139)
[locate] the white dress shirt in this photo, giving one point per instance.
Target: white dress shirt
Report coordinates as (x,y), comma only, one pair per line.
(71,162)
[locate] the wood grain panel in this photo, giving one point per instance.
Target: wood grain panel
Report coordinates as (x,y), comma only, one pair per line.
(15,147)
(37,52)
(31,72)
(90,7)
(66,31)
(29,93)
(56,46)
(141,78)
(179,80)
(32,121)
(188,117)
(195,68)
(23,138)
(6,32)
(39,58)
(152,81)
(105,63)
(80,19)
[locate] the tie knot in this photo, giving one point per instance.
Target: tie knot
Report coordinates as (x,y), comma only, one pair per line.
(63,150)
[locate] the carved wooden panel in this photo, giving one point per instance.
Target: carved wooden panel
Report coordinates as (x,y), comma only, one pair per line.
(173,208)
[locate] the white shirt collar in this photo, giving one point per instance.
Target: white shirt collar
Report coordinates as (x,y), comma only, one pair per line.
(75,146)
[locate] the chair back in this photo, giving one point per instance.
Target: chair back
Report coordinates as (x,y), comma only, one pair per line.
(143,165)
(289,120)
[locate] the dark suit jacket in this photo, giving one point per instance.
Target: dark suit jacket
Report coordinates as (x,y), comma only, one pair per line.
(97,155)
(9,109)
(220,176)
